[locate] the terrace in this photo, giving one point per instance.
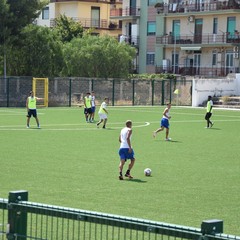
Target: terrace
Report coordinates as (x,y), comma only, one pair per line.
(189,39)
(125,12)
(93,23)
(188,7)
(196,70)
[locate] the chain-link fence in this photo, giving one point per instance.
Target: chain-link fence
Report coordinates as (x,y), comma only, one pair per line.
(71,91)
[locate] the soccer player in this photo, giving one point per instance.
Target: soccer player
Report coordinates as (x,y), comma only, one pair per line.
(93,106)
(126,151)
(31,105)
(88,107)
(103,113)
(209,112)
(164,122)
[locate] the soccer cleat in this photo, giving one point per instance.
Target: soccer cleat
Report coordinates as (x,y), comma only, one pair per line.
(97,125)
(104,127)
(39,126)
(128,175)
(120,177)
(168,139)
(27,126)
(154,134)
(211,124)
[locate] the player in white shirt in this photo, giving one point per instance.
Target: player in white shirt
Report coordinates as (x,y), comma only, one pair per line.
(126,152)
(164,122)
(103,113)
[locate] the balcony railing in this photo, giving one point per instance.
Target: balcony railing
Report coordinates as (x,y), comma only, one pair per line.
(213,5)
(199,39)
(93,23)
(125,12)
(196,70)
(106,1)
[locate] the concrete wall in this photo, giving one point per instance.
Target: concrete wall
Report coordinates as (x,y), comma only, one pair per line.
(202,88)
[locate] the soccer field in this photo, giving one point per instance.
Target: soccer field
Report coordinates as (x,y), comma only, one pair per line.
(71,163)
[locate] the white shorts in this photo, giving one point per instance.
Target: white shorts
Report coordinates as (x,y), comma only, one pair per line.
(102,116)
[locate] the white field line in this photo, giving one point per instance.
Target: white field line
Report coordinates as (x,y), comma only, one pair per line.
(86,128)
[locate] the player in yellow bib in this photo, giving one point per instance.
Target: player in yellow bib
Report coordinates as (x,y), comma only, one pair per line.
(87,101)
(209,112)
(31,105)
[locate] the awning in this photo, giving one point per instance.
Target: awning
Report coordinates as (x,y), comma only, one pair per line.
(191,48)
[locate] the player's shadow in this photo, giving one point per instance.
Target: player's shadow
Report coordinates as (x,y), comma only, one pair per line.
(215,129)
(136,180)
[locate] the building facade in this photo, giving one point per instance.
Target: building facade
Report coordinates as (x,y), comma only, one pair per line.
(198,37)
(92,14)
(187,37)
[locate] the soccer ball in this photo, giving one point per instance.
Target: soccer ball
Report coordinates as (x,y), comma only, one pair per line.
(147,172)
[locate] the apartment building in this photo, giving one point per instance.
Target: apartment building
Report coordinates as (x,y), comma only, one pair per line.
(187,37)
(198,37)
(94,14)
(138,29)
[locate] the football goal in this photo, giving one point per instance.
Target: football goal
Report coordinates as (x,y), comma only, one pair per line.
(40,88)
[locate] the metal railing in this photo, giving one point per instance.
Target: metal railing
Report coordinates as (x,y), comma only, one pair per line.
(125,12)
(92,23)
(211,72)
(23,220)
(186,7)
(190,39)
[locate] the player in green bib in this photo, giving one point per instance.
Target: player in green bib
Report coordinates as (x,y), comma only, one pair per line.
(31,105)
(87,101)
(209,112)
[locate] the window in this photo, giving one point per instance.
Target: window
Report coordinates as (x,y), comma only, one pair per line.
(95,17)
(152,2)
(150,58)
(45,13)
(214,58)
(231,25)
(176,29)
(151,28)
(215,25)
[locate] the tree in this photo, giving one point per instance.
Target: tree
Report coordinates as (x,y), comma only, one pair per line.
(68,28)
(39,53)
(96,56)
(14,16)
(23,12)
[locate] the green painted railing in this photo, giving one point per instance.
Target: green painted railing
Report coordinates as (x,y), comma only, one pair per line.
(22,220)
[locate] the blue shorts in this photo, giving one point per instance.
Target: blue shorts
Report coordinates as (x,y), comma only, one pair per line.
(124,154)
(93,109)
(165,123)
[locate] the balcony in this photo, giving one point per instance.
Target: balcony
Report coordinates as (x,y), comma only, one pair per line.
(93,23)
(132,40)
(125,12)
(196,70)
(100,1)
(189,39)
(212,5)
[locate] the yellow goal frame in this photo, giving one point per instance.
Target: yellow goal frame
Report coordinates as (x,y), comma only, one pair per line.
(40,88)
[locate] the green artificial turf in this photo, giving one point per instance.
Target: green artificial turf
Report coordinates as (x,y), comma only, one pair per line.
(71,163)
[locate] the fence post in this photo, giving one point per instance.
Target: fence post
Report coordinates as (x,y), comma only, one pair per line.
(113,91)
(17,220)
(163,91)
(7,88)
(70,93)
(133,92)
(152,92)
